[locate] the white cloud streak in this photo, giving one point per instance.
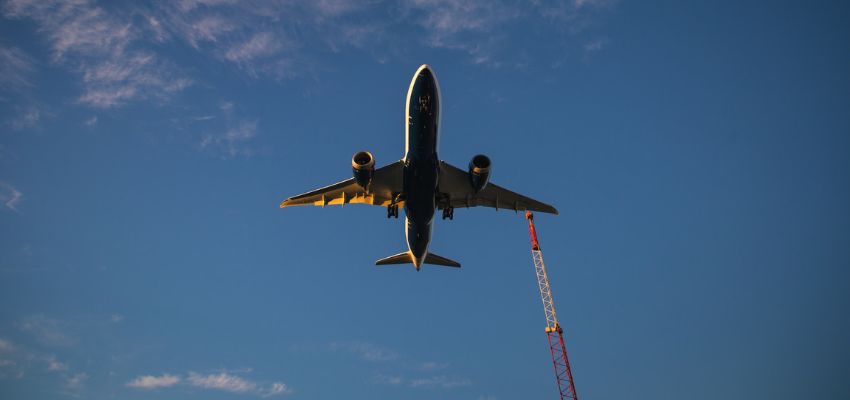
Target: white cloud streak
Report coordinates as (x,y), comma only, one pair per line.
(441,381)
(235,384)
(222,381)
(11,198)
(149,382)
(365,351)
(276,389)
(432,365)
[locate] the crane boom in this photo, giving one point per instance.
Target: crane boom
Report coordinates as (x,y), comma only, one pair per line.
(554,333)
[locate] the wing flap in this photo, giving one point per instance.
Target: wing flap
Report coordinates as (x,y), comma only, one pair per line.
(458,193)
(385,185)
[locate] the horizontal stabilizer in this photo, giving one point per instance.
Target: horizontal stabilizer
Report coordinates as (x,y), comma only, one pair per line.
(434,259)
(400,258)
(407,258)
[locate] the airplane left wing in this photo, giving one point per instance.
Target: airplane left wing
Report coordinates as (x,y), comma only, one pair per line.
(386,184)
(454,185)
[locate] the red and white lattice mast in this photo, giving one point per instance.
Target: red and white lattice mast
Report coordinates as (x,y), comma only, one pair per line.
(563,375)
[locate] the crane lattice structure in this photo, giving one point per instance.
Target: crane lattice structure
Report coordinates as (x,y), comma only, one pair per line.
(554,333)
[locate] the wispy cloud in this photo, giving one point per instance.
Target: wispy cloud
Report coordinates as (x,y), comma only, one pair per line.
(55,365)
(8,364)
(9,196)
(250,37)
(26,118)
(15,69)
(406,373)
(365,351)
(222,381)
(48,331)
(76,381)
(485,30)
(149,382)
(103,47)
(236,138)
(225,381)
(20,359)
(441,381)
(124,53)
(277,388)
(468,26)
(114,82)
(5,346)
(595,45)
(259,38)
(232,383)
(432,365)
(259,46)
(392,380)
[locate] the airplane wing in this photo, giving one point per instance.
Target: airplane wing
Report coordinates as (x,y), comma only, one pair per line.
(458,193)
(386,184)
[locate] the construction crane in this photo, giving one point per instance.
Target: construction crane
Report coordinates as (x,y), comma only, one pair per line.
(554,333)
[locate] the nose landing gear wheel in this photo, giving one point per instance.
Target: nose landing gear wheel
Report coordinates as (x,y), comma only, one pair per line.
(392,211)
(449,212)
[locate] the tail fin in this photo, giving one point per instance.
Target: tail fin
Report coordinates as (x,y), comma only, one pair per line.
(407,258)
(400,258)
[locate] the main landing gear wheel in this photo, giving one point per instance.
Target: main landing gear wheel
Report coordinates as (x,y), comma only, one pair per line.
(449,212)
(392,211)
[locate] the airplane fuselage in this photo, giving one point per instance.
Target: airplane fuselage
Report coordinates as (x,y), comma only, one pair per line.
(421,164)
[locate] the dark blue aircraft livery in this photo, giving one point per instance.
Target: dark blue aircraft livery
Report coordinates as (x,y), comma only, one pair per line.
(419,182)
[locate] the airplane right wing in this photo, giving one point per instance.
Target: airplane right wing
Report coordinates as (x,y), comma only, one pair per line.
(455,184)
(386,184)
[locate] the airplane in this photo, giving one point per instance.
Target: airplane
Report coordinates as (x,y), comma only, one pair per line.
(420,182)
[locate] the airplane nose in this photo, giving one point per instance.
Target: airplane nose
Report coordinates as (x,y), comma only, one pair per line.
(426,72)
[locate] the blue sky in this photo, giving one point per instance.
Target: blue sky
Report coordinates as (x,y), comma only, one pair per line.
(699,154)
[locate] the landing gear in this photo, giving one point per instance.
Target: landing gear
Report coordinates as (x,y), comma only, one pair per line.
(449,212)
(392,211)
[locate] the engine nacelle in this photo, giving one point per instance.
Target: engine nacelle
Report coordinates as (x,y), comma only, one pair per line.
(363,167)
(479,171)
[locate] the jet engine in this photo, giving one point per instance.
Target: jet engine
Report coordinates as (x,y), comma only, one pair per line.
(363,166)
(479,171)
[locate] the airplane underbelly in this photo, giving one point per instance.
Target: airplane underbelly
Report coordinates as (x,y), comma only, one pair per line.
(420,188)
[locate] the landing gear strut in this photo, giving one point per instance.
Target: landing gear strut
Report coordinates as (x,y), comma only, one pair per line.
(392,211)
(449,212)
